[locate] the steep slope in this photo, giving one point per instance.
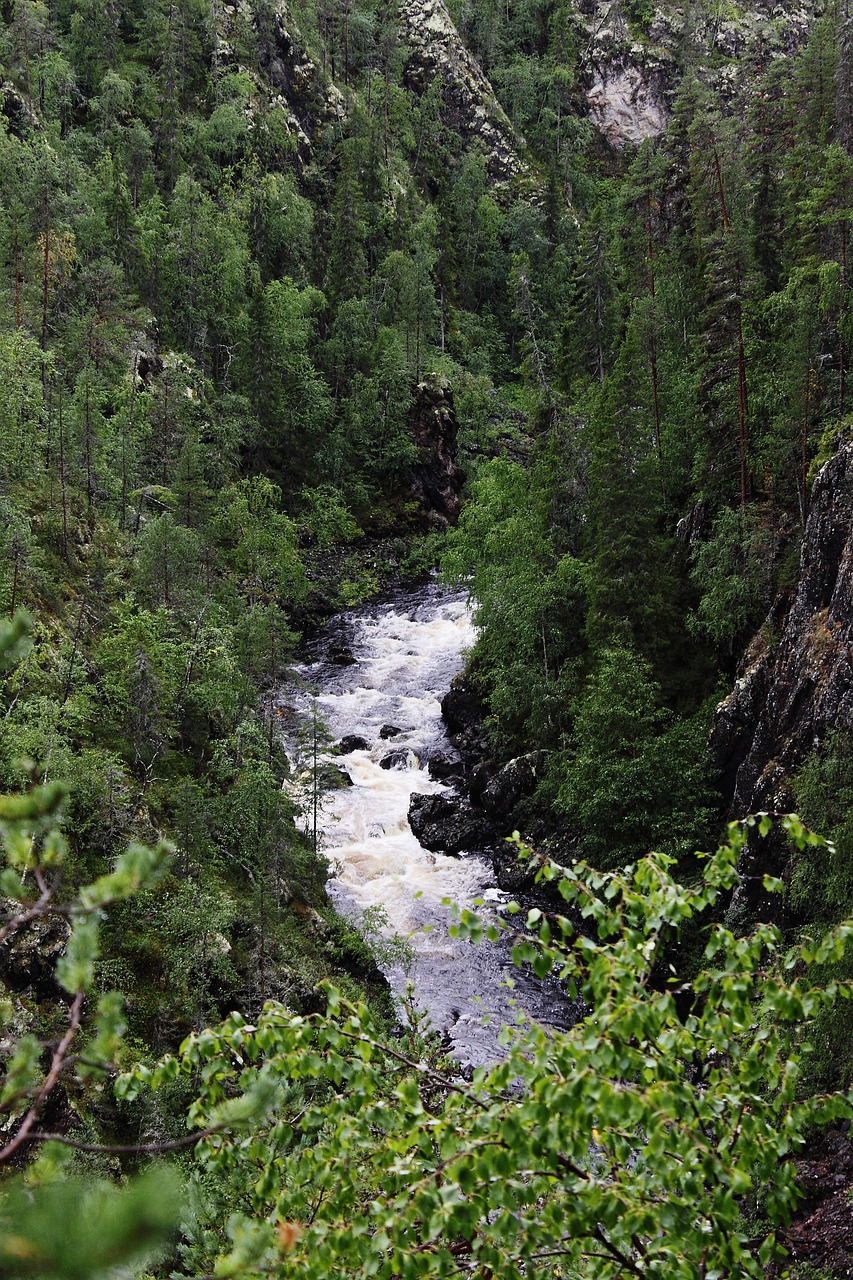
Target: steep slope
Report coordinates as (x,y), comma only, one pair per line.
(635,57)
(470,107)
(796,679)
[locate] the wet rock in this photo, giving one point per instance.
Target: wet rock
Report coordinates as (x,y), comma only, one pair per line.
(352,742)
(436,478)
(446,824)
(479,778)
(341,656)
(463,712)
(513,874)
(398,759)
(389,731)
(513,782)
(443,765)
(343,778)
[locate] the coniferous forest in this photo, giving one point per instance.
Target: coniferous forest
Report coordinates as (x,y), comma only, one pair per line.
(300,302)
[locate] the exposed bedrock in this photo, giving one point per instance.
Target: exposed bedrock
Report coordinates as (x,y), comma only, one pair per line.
(468,100)
(795,683)
(437,478)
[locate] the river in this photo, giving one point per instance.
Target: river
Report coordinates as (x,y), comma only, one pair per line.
(400,658)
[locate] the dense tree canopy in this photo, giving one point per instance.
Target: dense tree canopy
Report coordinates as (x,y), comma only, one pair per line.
(239,244)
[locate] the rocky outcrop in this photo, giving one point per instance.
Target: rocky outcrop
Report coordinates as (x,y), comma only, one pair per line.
(448,824)
(28,958)
(437,479)
(468,101)
(627,102)
(464,712)
(796,680)
(512,783)
(297,87)
(821,1234)
(633,68)
(15,111)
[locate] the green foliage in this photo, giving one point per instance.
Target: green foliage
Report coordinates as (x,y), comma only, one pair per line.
(820,889)
(633,1141)
(52,1225)
(730,573)
(633,776)
(82,1230)
(530,600)
(219,288)
(328,519)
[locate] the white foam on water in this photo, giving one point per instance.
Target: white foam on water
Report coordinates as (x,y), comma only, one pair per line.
(406,655)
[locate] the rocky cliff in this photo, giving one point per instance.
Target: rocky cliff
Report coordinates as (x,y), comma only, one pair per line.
(635,56)
(437,53)
(796,679)
(295,83)
(437,479)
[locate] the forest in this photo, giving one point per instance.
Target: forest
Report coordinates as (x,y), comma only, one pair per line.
(245,249)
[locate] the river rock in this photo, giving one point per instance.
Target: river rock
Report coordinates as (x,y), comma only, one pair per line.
(352,742)
(446,824)
(389,731)
(341,656)
(464,713)
(513,874)
(513,782)
(443,765)
(397,759)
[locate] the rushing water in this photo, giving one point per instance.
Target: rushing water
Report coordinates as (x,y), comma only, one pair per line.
(406,654)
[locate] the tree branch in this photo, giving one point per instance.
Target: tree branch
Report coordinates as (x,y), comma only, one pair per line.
(136,1149)
(50,1081)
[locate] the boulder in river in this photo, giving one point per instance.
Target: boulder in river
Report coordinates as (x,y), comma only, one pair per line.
(399,758)
(389,731)
(513,782)
(445,764)
(513,874)
(464,714)
(352,742)
(446,824)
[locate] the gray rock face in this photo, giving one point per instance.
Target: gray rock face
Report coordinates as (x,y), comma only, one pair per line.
(627,103)
(632,75)
(796,679)
(470,105)
(296,86)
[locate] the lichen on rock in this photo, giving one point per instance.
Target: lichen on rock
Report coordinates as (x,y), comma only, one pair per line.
(469,102)
(796,679)
(626,104)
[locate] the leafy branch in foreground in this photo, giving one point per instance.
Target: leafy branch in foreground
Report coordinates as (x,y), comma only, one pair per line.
(655,1138)
(52,1225)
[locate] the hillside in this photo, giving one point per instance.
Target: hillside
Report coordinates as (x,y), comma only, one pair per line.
(301,300)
